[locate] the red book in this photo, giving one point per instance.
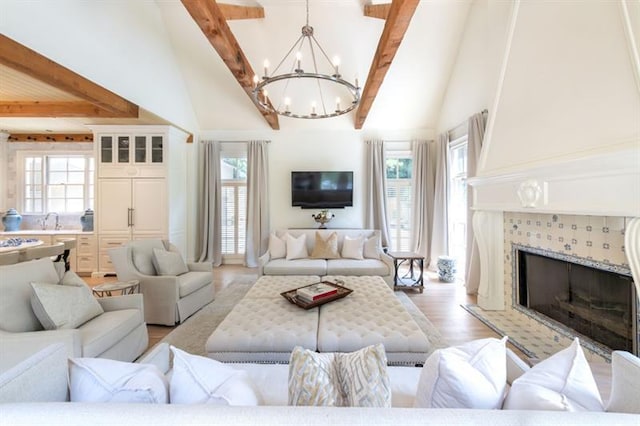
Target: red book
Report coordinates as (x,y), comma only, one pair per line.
(316,291)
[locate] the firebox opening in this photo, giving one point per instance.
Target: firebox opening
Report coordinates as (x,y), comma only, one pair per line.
(596,303)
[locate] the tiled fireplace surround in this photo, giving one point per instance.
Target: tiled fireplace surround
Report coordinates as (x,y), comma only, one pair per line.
(583,207)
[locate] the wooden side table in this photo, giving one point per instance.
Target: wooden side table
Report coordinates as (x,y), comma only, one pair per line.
(414,278)
(126,287)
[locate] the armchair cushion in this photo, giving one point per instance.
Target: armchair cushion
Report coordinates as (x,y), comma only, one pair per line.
(142,252)
(192,281)
(61,306)
(104,331)
(168,262)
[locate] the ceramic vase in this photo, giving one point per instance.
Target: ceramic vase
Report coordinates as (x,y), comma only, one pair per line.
(87,221)
(447,269)
(11,220)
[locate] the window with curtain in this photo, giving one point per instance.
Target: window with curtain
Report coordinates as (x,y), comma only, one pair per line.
(234,206)
(458,201)
(398,172)
(56,183)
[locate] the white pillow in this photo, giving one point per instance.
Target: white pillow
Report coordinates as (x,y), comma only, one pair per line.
(168,263)
(297,247)
(199,380)
(63,306)
(106,380)
(562,382)
(472,375)
(277,247)
(372,247)
(352,247)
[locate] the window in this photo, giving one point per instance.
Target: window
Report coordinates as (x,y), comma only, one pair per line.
(399,164)
(56,183)
(458,202)
(234,207)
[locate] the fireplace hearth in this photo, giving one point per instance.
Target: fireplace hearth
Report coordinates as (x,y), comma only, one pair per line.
(588,298)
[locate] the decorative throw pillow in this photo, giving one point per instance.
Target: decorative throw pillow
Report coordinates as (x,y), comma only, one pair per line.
(326,249)
(106,380)
(169,262)
(352,247)
(277,247)
(372,247)
(199,380)
(472,375)
(62,306)
(562,382)
(297,247)
(72,279)
(356,379)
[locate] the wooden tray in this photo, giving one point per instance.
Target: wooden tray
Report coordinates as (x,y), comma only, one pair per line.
(292,297)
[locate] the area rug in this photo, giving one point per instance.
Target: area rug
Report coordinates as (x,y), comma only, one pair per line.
(192,335)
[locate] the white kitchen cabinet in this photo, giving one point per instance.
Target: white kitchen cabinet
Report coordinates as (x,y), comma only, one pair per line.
(141,172)
(86,253)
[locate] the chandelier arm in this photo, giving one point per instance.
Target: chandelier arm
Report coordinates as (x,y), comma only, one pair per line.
(299,40)
(322,50)
(311,39)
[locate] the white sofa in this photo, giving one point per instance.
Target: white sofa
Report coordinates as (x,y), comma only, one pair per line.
(119,333)
(44,399)
(382,267)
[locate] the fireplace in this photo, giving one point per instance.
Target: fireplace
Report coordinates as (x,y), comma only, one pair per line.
(596,300)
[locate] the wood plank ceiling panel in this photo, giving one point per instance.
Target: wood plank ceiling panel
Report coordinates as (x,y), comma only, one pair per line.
(397,22)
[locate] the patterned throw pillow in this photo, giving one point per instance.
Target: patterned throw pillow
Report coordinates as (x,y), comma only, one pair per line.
(326,249)
(356,379)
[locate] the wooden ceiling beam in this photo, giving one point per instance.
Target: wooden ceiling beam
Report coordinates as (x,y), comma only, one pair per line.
(233,12)
(395,27)
(53,109)
(51,137)
(33,64)
(209,17)
(380,11)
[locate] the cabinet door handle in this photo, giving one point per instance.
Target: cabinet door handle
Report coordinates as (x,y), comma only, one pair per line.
(129,216)
(132,224)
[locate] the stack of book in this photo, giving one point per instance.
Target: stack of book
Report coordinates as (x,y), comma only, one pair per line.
(315,292)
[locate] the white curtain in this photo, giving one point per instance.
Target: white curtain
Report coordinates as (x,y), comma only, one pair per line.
(376,190)
(257,235)
(422,198)
(209,225)
(477,124)
(440,233)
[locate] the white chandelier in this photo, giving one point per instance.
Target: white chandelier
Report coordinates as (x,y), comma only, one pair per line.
(297,91)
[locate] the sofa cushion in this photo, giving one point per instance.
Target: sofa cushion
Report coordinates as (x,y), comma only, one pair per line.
(142,253)
(297,267)
(472,375)
(352,248)
(199,380)
(16,314)
(104,331)
(277,246)
(355,379)
(297,247)
(63,306)
(372,247)
(168,262)
(562,382)
(106,380)
(193,281)
(356,267)
(325,248)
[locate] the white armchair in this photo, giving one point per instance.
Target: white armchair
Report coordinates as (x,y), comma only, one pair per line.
(168,299)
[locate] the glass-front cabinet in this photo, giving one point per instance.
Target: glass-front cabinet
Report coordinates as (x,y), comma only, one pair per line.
(131,149)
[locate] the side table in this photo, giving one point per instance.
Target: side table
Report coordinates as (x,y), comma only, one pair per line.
(414,278)
(125,287)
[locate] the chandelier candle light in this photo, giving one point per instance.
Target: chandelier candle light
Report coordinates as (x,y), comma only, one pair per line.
(296,85)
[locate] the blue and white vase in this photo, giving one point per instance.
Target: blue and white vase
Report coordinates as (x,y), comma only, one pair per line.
(87,221)
(447,269)
(11,220)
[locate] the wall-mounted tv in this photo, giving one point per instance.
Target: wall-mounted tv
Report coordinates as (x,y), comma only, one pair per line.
(322,190)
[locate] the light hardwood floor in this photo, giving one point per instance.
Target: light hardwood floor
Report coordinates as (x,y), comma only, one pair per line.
(440,302)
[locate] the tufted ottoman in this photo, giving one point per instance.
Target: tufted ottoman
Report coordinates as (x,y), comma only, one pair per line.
(265,327)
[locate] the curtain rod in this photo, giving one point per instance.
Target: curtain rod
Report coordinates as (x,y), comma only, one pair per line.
(452,130)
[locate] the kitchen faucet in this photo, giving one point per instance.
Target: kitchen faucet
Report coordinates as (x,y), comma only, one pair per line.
(43,222)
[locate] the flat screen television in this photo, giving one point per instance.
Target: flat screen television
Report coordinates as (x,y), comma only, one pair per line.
(321,190)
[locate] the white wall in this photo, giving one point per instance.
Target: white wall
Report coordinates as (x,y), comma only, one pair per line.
(120,45)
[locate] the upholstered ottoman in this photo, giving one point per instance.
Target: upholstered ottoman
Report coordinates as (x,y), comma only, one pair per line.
(270,286)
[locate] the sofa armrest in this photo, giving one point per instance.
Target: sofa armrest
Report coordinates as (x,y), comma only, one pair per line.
(200,267)
(160,356)
(515,366)
(117,303)
(263,260)
(14,347)
(625,383)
